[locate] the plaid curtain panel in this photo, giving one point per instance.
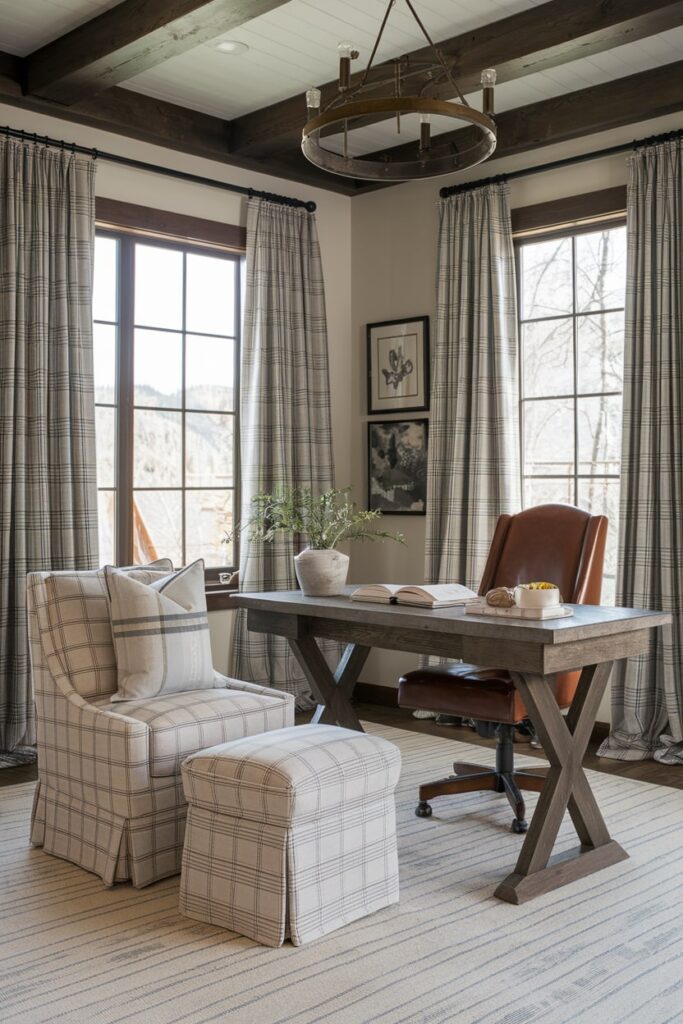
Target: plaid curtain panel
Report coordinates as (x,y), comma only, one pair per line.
(286,436)
(647,692)
(473,473)
(48,497)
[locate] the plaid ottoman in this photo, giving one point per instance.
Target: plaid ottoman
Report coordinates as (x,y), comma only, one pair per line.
(290,833)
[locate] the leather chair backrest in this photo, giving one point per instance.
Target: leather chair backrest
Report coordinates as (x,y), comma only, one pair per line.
(560,544)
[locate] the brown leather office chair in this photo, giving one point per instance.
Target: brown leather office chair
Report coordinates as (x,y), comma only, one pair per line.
(557,543)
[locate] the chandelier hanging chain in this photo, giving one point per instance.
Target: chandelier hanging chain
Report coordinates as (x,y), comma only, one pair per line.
(437,53)
(412,67)
(377,41)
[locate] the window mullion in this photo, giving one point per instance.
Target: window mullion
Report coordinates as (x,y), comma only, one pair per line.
(125,384)
(236,459)
(575,360)
(183,415)
(519,252)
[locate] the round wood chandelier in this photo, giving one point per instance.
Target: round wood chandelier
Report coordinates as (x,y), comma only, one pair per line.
(352,107)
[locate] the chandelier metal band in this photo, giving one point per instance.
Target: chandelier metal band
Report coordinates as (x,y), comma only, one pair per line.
(426,163)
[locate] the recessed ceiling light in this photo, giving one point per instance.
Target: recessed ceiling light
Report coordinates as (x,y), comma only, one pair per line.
(232,46)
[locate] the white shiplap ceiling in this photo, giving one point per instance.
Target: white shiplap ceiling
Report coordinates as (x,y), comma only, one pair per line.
(295,46)
(26,25)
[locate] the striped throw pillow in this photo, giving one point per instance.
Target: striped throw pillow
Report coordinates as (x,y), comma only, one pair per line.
(161,633)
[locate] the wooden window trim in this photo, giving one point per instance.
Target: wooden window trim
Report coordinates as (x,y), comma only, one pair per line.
(219,598)
(143,220)
(591,209)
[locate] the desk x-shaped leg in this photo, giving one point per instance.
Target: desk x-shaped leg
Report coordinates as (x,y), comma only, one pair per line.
(564,742)
(332,691)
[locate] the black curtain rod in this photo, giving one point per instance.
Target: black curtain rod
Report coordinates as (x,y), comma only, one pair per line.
(169,172)
(451,190)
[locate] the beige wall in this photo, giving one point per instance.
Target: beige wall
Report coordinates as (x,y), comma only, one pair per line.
(394,240)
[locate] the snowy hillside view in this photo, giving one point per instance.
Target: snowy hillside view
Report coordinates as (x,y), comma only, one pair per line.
(184,401)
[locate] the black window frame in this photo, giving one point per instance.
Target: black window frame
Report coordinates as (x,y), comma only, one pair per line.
(124,401)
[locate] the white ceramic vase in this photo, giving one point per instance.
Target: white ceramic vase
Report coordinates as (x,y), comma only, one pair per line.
(321,573)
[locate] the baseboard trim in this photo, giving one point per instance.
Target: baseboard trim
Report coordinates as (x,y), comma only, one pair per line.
(387,697)
(600,731)
(371,693)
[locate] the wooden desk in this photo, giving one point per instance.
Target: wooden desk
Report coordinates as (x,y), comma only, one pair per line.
(592,640)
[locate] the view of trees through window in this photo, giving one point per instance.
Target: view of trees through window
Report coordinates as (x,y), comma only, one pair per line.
(166,336)
(571,308)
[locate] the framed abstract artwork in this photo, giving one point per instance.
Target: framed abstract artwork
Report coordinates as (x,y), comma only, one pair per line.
(397,467)
(398,365)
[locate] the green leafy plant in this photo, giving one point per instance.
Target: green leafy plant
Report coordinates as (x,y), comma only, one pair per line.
(325,520)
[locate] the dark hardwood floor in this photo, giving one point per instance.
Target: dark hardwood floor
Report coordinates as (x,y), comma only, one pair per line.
(22,773)
(644,771)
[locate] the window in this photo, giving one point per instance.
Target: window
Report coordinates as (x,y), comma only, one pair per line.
(166,343)
(571,309)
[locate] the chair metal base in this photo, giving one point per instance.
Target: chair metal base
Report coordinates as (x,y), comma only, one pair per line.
(470,778)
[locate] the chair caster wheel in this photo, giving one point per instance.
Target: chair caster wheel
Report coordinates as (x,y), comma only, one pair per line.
(423,810)
(519,826)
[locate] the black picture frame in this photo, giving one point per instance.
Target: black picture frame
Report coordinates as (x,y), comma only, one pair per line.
(410,332)
(393,459)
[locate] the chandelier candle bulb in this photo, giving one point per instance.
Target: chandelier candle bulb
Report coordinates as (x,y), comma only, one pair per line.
(488,81)
(346,55)
(425,131)
(313,100)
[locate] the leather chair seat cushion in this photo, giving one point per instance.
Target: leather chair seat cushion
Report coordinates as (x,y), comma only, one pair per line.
(487,694)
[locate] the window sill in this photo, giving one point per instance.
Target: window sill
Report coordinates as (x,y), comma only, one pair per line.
(219,598)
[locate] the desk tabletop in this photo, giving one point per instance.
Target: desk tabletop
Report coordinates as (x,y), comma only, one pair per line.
(588,621)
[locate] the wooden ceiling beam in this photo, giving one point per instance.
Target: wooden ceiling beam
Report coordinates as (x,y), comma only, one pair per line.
(130,38)
(537,39)
(134,116)
(574,115)
(628,100)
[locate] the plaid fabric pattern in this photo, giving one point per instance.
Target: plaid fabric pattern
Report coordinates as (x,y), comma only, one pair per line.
(473,472)
(48,497)
(286,436)
(293,834)
(233,875)
(183,723)
(77,608)
(647,692)
(161,633)
(99,803)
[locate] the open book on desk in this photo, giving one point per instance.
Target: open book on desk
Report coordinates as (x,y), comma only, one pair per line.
(441,595)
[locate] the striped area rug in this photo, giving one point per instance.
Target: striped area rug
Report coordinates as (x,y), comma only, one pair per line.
(606,949)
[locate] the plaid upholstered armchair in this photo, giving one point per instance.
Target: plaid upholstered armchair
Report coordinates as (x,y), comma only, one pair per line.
(109,795)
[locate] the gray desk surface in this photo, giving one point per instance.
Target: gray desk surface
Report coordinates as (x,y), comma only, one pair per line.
(588,621)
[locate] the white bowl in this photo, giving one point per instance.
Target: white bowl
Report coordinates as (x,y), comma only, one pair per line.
(537,598)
